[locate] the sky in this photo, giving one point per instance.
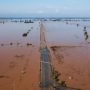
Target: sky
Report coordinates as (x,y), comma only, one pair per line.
(45,8)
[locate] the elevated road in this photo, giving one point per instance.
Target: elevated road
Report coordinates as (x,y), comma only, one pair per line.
(45,79)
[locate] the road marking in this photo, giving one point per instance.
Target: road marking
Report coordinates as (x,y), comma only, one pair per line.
(45,62)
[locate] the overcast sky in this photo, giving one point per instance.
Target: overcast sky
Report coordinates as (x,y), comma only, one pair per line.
(47,8)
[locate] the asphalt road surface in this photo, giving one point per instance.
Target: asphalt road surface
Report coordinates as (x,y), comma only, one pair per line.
(45,82)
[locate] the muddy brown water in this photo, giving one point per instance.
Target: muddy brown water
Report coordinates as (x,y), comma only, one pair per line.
(71,52)
(20,56)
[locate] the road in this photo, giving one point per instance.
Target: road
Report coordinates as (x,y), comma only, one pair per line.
(45,63)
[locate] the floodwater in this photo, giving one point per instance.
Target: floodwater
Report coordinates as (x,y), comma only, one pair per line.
(68,34)
(20,56)
(70,45)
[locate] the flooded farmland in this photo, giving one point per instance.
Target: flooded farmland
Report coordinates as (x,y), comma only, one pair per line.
(71,52)
(19,56)
(69,44)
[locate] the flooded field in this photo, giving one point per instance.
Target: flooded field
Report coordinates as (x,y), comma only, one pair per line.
(69,43)
(19,56)
(71,52)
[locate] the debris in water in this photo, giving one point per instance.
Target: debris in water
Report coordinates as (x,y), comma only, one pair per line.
(11,43)
(77,25)
(19,56)
(29,44)
(3,76)
(2,44)
(24,35)
(86,35)
(28,21)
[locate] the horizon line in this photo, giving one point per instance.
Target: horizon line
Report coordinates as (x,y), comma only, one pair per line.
(27,17)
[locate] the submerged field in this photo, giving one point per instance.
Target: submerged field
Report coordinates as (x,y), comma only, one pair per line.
(19,56)
(68,42)
(71,52)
